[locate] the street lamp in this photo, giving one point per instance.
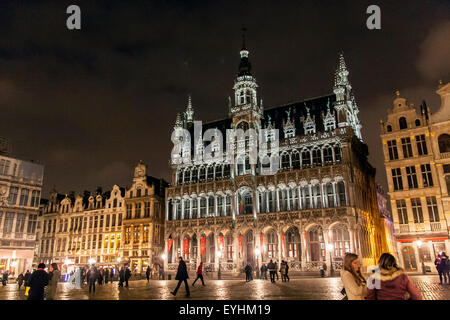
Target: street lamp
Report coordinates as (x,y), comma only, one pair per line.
(257,253)
(419,244)
(219,255)
(330,249)
(91,261)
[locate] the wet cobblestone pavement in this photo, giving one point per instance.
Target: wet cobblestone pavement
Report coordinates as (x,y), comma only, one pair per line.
(301,289)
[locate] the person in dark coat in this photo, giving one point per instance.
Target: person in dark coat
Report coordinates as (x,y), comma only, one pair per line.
(5,278)
(442,267)
(121,277)
(100,277)
(287,270)
(38,281)
(199,274)
(92,276)
(248,273)
(182,276)
(147,274)
(272,270)
(20,280)
(106,276)
(264,272)
(127,276)
(26,278)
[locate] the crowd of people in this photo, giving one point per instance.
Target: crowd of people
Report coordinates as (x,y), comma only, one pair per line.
(387,282)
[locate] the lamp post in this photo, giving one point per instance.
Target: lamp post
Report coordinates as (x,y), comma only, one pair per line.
(330,249)
(219,255)
(257,253)
(419,244)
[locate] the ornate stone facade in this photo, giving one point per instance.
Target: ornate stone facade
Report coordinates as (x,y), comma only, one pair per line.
(319,205)
(417,159)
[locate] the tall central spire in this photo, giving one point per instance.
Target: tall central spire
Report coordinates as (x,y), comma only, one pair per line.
(245,66)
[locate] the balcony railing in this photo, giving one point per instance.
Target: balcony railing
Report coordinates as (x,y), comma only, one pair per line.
(445,155)
(404,228)
(436,226)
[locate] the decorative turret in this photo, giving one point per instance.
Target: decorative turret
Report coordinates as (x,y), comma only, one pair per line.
(329,121)
(309,124)
(189,113)
(178,121)
(245,86)
(289,126)
(345,104)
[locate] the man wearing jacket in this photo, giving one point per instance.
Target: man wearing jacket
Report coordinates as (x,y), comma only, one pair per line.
(38,280)
(92,276)
(182,276)
(199,274)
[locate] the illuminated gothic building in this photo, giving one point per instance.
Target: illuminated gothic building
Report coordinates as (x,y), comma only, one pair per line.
(416,150)
(319,205)
(120,226)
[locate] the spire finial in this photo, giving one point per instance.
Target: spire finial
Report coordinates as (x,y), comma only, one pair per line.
(243,38)
(397,93)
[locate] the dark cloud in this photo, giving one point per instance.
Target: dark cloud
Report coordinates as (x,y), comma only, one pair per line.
(90,104)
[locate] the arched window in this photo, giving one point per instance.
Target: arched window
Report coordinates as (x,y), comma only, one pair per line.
(306,198)
(330,195)
(389,128)
(293,197)
(402,123)
(283,199)
(444,143)
(228,205)
(194,178)
(328,155)
(194,208)
(341,240)
(241,97)
(337,153)
(272,244)
(317,157)
(317,195)
(210,173)
(202,207)
(316,244)
(341,193)
(226,171)
(246,203)
(295,160)
(417,123)
(248,96)
(211,211)
(293,243)
(180,176)
(202,174)
(306,159)
(187,176)
(285,164)
(240,166)
(186,208)
(247,165)
(271,201)
(218,172)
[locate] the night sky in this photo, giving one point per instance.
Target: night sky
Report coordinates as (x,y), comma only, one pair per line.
(90,104)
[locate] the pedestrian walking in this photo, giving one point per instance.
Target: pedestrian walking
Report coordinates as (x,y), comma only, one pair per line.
(5,278)
(264,272)
(272,269)
(38,281)
(147,274)
(286,266)
(283,271)
(354,282)
(127,276)
(248,273)
(391,282)
(20,278)
(182,276)
(442,266)
(276,269)
(106,275)
(92,276)
(100,277)
(54,276)
(199,274)
(121,277)
(26,278)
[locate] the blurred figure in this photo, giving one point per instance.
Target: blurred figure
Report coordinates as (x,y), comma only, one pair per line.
(20,280)
(92,276)
(442,266)
(127,276)
(147,274)
(392,282)
(264,272)
(121,277)
(54,279)
(5,278)
(26,278)
(199,274)
(38,280)
(248,273)
(182,276)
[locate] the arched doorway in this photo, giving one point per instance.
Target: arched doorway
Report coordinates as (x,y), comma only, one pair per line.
(316,244)
(409,258)
(293,243)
